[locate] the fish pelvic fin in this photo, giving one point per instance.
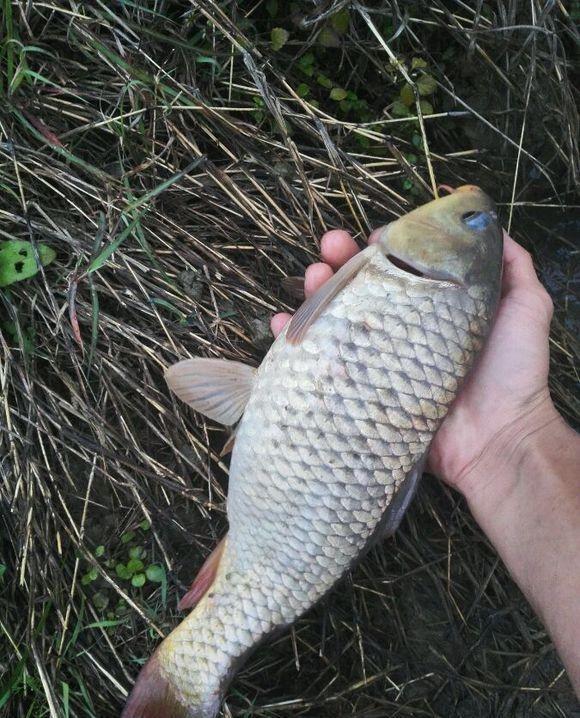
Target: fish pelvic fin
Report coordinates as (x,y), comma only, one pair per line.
(204,578)
(153,696)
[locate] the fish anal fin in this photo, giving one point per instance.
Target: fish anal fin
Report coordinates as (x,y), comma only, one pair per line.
(153,696)
(204,578)
(217,388)
(313,307)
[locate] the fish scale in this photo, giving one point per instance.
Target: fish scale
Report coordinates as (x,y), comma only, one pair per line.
(368,390)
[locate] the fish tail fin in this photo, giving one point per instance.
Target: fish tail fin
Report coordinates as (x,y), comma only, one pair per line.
(153,696)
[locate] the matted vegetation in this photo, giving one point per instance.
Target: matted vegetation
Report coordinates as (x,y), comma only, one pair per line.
(182,159)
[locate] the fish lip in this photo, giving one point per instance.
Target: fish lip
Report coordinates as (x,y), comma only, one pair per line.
(421,273)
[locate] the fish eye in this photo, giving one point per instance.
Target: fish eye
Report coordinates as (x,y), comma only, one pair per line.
(478,220)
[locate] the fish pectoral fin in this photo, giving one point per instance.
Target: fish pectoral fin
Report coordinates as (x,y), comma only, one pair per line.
(217,388)
(204,578)
(313,307)
(401,501)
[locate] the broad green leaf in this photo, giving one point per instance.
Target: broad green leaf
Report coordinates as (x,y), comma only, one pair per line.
(337,94)
(305,63)
(138,580)
(426,107)
(328,37)
(278,38)
(303,90)
(127,536)
(134,565)
(17,260)
(324,81)
(122,571)
(340,21)
(426,85)
(418,63)
(155,573)
(100,550)
(399,109)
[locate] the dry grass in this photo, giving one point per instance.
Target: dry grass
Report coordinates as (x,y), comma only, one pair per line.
(171,158)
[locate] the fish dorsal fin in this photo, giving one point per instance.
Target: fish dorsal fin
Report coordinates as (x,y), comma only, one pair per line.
(217,388)
(204,578)
(313,307)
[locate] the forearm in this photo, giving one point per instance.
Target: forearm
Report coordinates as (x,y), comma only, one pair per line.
(525,494)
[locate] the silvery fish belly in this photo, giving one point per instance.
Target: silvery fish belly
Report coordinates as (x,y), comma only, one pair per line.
(336,425)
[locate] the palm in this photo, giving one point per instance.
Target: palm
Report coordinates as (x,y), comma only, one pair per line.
(509,379)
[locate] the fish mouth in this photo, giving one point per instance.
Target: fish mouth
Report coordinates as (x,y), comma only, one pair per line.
(415,269)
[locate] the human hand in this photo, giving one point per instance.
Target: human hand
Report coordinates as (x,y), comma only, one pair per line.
(505,399)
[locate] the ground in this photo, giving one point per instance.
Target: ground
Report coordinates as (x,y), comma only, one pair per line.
(181,160)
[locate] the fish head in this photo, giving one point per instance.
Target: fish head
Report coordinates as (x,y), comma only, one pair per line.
(455,239)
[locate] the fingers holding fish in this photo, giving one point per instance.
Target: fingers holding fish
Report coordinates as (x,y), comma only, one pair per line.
(336,247)
(315,276)
(519,275)
(278,322)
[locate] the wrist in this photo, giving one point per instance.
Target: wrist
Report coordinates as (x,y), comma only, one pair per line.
(527,501)
(515,449)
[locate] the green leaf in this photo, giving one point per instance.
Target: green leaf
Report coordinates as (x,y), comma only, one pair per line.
(155,573)
(138,580)
(17,260)
(127,536)
(90,576)
(407,95)
(145,525)
(340,21)
(327,37)
(324,81)
(3,568)
(278,38)
(337,94)
(122,571)
(100,601)
(136,552)
(306,64)
(417,141)
(418,63)
(99,551)
(426,85)
(134,565)
(399,109)
(303,90)
(426,107)
(407,184)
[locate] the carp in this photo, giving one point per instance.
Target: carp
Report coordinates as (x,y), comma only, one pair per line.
(333,434)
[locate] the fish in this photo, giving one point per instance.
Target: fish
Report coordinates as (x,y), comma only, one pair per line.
(332,436)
